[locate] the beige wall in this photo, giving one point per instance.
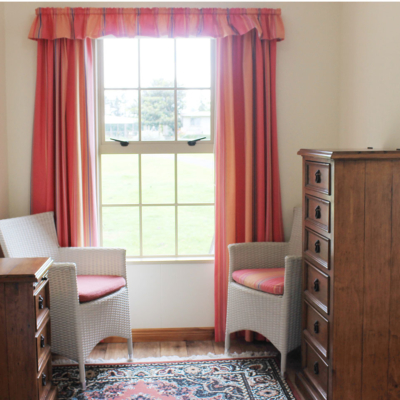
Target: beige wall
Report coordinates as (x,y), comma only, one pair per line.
(307,90)
(370,75)
(3,136)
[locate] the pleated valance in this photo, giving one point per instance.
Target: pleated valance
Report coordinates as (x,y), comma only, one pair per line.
(80,23)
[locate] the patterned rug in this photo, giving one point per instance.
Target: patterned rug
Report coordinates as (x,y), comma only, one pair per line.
(222,379)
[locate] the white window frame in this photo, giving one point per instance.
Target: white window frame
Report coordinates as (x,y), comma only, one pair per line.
(152,147)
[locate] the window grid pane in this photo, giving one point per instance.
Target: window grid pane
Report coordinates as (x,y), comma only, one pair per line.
(157,224)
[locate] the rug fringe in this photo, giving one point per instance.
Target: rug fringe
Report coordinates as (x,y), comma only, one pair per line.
(210,356)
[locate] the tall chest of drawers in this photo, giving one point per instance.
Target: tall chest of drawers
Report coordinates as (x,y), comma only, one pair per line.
(25,352)
(351,275)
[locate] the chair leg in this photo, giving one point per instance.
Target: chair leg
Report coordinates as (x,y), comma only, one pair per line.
(82,374)
(130,349)
(227,342)
(283,363)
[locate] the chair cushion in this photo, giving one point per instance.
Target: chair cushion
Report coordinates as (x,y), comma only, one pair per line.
(93,287)
(269,280)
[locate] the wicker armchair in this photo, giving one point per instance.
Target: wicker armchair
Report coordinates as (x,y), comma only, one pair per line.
(76,328)
(278,318)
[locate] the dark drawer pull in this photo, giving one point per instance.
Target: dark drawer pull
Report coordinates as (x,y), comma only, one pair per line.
(44,382)
(318,177)
(316,285)
(316,327)
(42,341)
(316,368)
(318,212)
(41,302)
(317,245)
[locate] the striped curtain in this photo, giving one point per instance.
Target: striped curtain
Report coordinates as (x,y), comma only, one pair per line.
(64,148)
(81,23)
(248,199)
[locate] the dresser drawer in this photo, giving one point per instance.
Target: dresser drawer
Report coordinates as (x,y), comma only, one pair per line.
(43,342)
(317,247)
(316,369)
(44,378)
(318,177)
(318,212)
(316,287)
(317,329)
(42,301)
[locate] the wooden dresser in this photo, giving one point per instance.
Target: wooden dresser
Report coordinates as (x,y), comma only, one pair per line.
(351,281)
(25,354)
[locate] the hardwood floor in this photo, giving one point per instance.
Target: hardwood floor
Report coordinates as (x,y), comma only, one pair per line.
(109,351)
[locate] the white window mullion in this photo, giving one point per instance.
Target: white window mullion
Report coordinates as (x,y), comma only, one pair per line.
(139,97)
(176,205)
(140,207)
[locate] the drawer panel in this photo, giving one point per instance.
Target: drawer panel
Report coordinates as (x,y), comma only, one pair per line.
(316,287)
(318,177)
(316,369)
(318,212)
(43,342)
(317,247)
(317,329)
(43,382)
(42,302)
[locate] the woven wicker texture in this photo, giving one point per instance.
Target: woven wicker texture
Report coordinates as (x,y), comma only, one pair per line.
(76,328)
(276,317)
(32,236)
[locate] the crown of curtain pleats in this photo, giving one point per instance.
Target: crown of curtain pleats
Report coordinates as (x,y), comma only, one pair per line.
(80,23)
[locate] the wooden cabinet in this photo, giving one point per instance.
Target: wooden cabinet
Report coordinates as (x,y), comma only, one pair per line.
(351,275)
(25,337)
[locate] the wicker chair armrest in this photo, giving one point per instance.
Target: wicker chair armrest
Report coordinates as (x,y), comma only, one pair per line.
(293,280)
(256,255)
(95,260)
(64,310)
(63,285)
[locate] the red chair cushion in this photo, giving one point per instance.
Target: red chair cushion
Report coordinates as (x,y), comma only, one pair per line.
(269,280)
(93,287)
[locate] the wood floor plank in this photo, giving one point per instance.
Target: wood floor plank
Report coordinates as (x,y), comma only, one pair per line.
(237,346)
(146,349)
(116,350)
(219,347)
(198,348)
(173,349)
(99,351)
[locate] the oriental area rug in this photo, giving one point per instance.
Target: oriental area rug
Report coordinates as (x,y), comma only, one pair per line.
(220,379)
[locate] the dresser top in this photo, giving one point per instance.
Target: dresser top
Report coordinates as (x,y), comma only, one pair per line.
(351,154)
(23,269)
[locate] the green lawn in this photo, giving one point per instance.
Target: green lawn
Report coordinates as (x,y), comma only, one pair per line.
(120,185)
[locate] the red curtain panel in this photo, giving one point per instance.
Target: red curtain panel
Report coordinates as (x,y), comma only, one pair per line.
(64,140)
(248,198)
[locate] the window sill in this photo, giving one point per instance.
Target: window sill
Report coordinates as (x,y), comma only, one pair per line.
(169,260)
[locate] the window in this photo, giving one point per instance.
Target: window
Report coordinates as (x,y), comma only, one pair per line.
(157,193)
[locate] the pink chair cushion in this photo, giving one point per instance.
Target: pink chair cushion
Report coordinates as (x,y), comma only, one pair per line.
(269,280)
(93,287)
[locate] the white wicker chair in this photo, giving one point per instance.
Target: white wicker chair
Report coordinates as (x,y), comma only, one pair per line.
(76,328)
(278,318)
